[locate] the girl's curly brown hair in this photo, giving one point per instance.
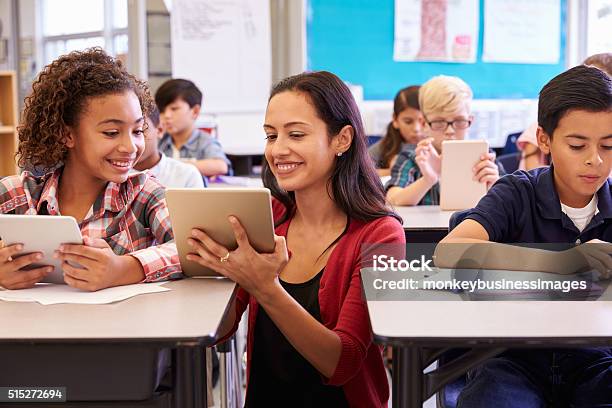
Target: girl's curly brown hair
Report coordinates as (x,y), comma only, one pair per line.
(58,97)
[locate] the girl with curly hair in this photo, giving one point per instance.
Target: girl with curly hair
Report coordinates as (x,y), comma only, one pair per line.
(84,120)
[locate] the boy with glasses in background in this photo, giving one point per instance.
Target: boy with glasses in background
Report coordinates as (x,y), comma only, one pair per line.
(446,105)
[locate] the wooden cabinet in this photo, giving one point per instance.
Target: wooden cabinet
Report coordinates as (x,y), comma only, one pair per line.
(8,123)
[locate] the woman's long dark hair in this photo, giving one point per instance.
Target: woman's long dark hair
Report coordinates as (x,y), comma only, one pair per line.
(355,185)
(391,143)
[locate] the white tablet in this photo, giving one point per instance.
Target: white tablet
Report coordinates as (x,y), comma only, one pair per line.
(41,233)
(208,210)
(458,190)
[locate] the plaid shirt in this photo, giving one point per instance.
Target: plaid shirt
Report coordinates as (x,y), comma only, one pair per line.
(131,217)
(406,171)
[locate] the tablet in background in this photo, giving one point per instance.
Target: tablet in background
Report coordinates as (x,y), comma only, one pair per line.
(458,190)
(208,210)
(41,233)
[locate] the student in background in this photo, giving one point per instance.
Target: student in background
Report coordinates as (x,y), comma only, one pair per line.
(568,202)
(446,106)
(309,338)
(85,112)
(179,102)
(169,172)
(405,129)
(532,157)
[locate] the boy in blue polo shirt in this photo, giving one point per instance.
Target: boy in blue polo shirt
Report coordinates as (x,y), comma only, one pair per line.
(179,102)
(568,202)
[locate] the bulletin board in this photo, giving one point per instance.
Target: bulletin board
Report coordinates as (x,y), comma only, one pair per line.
(354,40)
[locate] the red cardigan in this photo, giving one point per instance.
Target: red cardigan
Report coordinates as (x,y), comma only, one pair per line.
(360,370)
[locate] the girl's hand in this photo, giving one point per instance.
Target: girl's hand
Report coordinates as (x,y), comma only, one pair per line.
(12,275)
(94,265)
(256,273)
(428,160)
(486,171)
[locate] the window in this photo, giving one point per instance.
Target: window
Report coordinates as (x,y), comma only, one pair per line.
(69,25)
(599,26)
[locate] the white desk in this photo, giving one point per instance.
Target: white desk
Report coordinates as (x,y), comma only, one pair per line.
(424,217)
(421,331)
(424,223)
(193,315)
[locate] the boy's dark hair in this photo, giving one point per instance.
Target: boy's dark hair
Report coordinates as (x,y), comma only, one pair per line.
(391,143)
(60,95)
(154,116)
(579,88)
(173,89)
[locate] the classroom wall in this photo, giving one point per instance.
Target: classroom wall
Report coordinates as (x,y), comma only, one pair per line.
(7,29)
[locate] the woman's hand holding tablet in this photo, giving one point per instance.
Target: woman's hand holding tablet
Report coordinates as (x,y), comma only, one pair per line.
(257,273)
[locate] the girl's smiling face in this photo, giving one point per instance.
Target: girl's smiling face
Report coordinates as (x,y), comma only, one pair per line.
(108,138)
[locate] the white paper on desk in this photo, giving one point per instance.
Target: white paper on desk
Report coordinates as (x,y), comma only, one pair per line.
(50,294)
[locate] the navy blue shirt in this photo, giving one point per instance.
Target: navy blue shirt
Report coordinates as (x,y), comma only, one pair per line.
(524,207)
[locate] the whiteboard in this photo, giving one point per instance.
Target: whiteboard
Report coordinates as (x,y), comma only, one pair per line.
(224,47)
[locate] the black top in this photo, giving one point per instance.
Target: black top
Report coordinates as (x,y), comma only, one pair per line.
(280,376)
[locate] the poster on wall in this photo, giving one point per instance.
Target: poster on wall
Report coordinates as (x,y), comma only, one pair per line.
(522,31)
(436,30)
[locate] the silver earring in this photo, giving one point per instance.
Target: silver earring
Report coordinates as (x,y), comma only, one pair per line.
(339,154)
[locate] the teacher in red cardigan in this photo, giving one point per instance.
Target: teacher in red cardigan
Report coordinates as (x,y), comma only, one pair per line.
(309,335)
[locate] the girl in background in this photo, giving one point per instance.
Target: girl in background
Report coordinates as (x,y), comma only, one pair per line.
(405,129)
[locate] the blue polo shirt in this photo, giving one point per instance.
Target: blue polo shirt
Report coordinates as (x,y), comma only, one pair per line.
(199,146)
(524,207)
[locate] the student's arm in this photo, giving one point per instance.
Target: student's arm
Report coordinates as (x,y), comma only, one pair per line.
(402,187)
(467,246)
(211,160)
(159,262)
(411,194)
(211,167)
